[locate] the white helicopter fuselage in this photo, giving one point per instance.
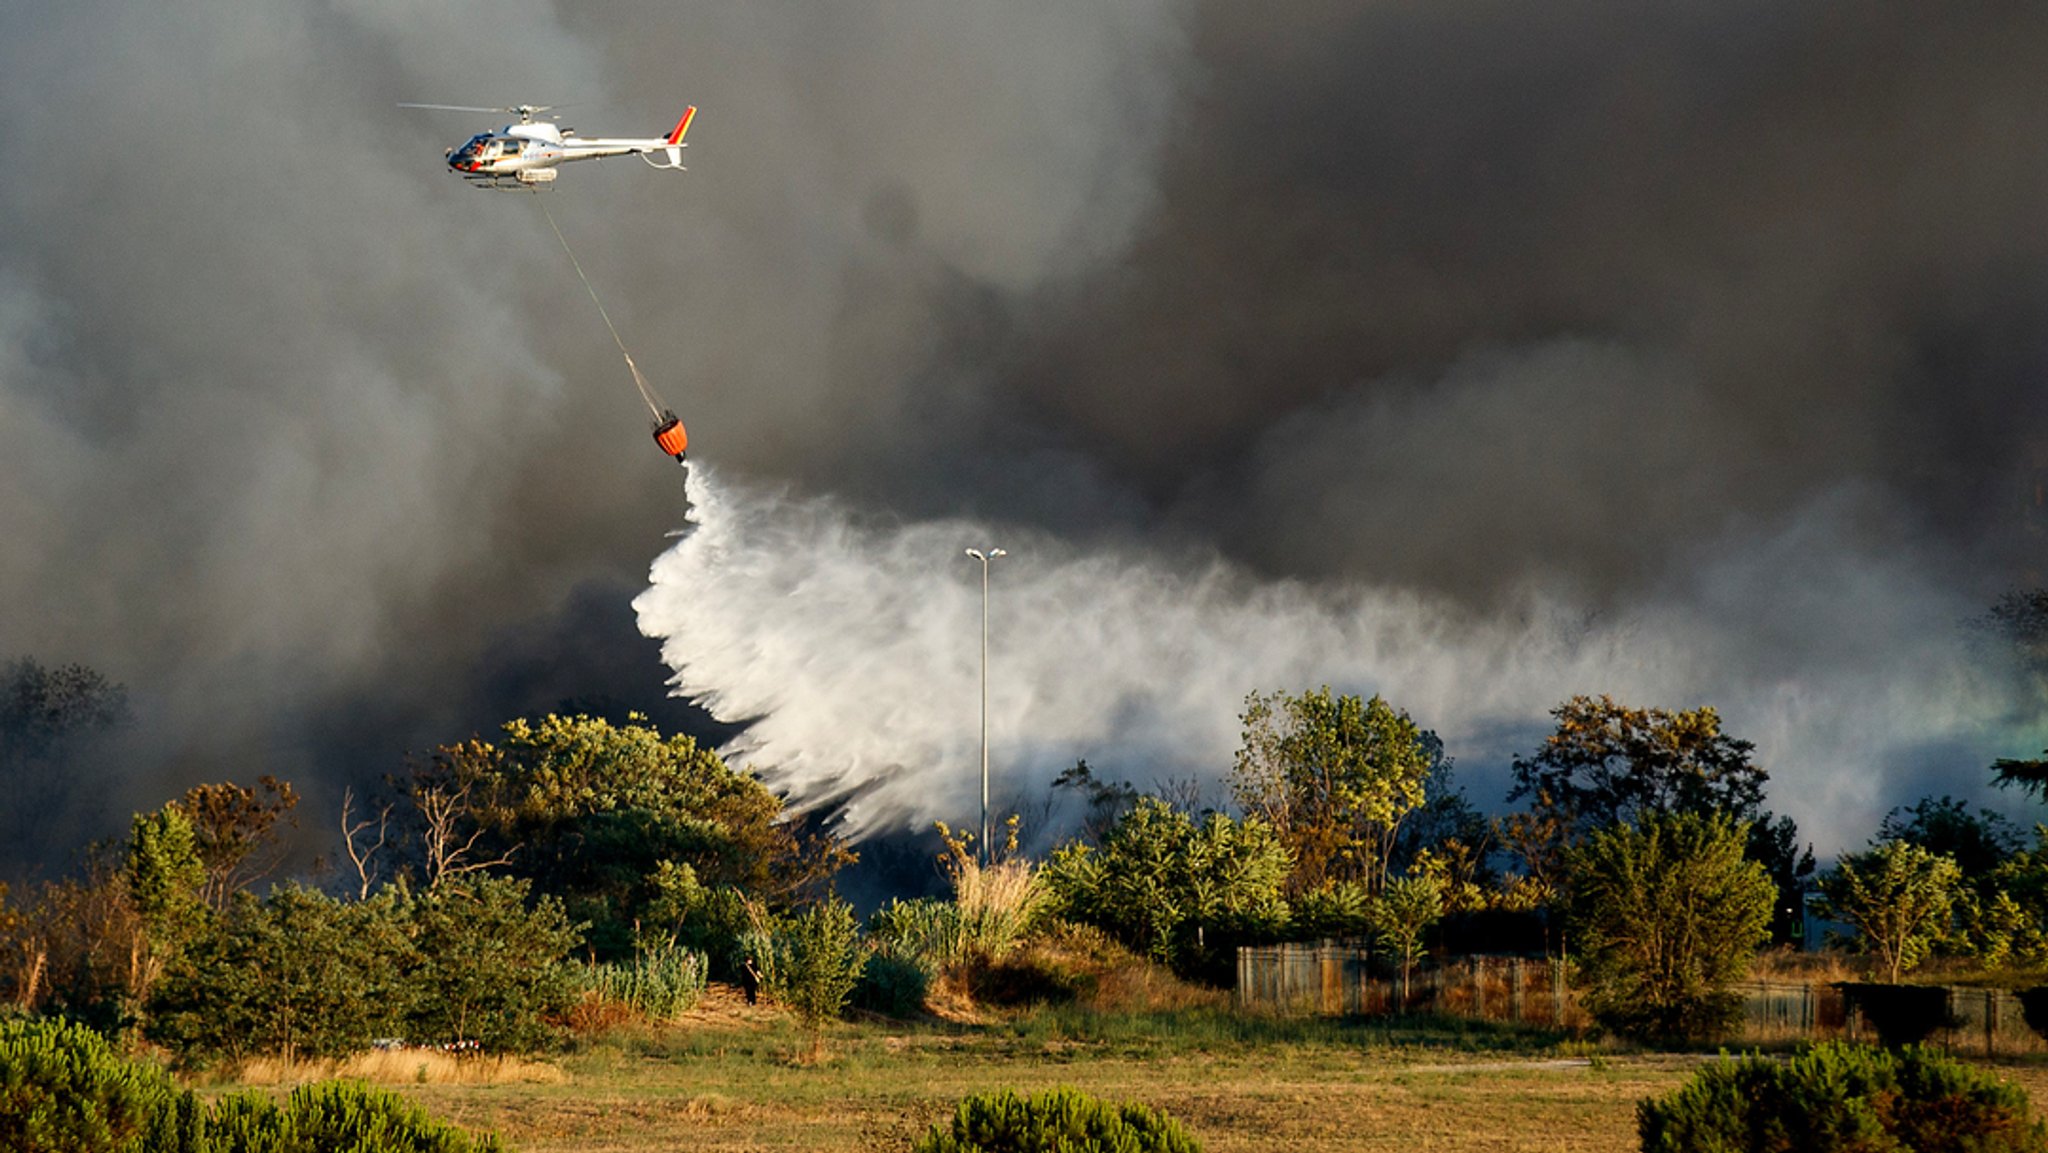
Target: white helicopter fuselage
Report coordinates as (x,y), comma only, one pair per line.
(529,153)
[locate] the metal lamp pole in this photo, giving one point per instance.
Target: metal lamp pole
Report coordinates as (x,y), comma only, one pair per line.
(984,558)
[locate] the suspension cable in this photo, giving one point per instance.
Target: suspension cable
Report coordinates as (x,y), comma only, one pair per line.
(655,407)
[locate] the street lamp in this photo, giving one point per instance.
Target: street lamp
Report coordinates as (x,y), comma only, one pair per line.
(984,558)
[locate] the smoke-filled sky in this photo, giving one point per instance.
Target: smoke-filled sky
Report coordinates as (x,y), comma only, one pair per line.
(1477,353)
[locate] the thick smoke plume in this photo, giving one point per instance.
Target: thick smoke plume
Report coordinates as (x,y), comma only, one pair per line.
(1717,329)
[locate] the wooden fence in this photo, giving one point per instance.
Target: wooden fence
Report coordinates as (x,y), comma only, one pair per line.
(1343,980)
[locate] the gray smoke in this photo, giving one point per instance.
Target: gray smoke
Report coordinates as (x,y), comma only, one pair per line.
(1704,324)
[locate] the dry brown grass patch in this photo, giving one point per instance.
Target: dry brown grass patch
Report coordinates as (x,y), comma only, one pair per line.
(403,1067)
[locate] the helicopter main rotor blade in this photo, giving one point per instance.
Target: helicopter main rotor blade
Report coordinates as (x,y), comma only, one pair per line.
(455,107)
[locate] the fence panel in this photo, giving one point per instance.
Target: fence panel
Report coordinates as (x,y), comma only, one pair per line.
(1333,979)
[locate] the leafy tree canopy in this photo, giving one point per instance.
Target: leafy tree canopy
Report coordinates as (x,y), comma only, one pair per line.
(1166,883)
(592,812)
(1978,842)
(1333,775)
(1899,896)
(42,707)
(1609,763)
(236,831)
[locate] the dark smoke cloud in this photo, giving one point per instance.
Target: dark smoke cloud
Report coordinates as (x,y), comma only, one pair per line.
(316,451)
(1472,289)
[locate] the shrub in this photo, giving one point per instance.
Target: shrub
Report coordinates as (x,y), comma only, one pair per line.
(1838,1098)
(893,984)
(926,931)
(1339,909)
(1668,913)
(994,904)
(1901,1014)
(1180,890)
(487,968)
(62,1090)
(817,959)
(297,974)
(1061,1121)
(334,1115)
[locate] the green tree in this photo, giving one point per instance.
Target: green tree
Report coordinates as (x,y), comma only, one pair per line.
(1402,913)
(1333,776)
(2007,919)
(296,974)
(486,967)
(817,961)
(165,881)
(1774,844)
(1898,896)
(591,813)
(1608,763)
(1172,887)
(1978,842)
(1668,913)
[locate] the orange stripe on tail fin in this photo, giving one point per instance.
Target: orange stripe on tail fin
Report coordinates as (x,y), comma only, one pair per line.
(683,125)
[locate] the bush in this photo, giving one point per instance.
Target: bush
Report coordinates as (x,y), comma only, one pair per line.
(487,968)
(1901,1014)
(1838,1098)
(660,984)
(1061,1121)
(297,974)
(893,984)
(817,959)
(926,931)
(334,1117)
(1180,890)
(1668,913)
(63,1090)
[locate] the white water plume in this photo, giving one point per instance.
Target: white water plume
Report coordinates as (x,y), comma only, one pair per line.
(854,648)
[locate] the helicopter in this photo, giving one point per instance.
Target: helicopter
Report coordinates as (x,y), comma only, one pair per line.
(529,153)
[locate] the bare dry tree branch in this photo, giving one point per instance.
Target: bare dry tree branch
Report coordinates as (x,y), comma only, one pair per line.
(366,870)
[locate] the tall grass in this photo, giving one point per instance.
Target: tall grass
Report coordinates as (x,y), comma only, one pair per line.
(926,932)
(661,984)
(993,907)
(998,903)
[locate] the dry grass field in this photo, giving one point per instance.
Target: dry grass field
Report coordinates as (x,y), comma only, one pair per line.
(737,1079)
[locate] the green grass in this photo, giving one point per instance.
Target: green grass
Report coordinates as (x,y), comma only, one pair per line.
(1250,1084)
(1239,1083)
(1218,1030)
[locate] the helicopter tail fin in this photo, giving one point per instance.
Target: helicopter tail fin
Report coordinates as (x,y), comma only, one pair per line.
(675,136)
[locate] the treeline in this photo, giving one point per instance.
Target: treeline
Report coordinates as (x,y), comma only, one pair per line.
(497,891)
(496,887)
(1642,851)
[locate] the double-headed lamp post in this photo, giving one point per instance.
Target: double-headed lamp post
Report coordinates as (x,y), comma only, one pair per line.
(984,558)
